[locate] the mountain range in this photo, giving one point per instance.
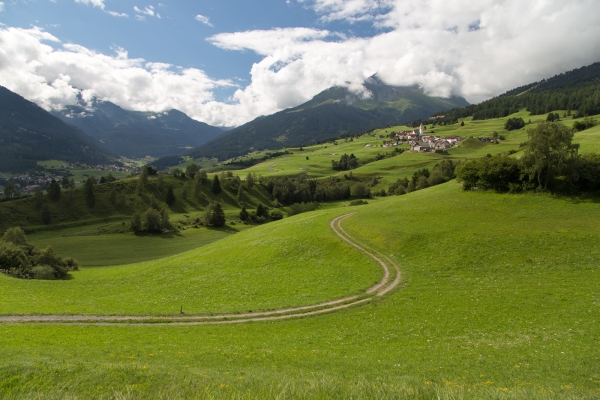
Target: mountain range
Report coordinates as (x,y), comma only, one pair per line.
(330,114)
(137,134)
(29,134)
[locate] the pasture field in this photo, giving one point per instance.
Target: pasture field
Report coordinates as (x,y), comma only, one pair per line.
(588,140)
(90,249)
(318,164)
(277,266)
(80,175)
(500,300)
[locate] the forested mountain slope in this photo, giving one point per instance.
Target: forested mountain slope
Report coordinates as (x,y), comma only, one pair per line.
(577,90)
(29,134)
(330,114)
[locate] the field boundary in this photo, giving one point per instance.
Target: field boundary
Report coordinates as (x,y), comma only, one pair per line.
(384,286)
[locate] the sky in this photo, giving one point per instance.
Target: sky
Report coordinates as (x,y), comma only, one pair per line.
(227,62)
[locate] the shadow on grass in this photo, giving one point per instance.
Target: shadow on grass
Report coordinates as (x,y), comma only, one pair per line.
(580,198)
(226,228)
(168,235)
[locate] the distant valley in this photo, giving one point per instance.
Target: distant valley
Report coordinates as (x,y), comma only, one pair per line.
(138,134)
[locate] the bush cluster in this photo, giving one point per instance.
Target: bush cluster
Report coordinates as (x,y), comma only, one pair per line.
(585,124)
(441,172)
(299,208)
(22,259)
(514,123)
(346,163)
(152,221)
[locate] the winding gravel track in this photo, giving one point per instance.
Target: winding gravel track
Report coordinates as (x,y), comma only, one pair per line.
(374,292)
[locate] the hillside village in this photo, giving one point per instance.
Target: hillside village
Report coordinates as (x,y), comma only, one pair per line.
(419,141)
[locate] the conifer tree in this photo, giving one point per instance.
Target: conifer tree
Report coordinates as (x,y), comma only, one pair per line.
(244,214)
(113,196)
(216,186)
(90,196)
(54,190)
(170,197)
(46,214)
(240,193)
(218,216)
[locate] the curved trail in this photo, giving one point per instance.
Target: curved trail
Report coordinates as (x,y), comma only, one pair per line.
(376,291)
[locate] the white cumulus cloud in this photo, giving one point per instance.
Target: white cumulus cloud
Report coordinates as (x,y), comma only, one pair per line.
(52,77)
(473,49)
(448,47)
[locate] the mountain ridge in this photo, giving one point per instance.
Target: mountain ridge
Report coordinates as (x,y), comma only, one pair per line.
(138,134)
(332,113)
(29,134)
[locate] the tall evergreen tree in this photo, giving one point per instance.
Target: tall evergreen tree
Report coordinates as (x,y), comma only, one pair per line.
(218,216)
(244,214)
(160,185)
(113,196)
(249,180)
(38,195)
(216,185)
(46,214)
(90,196)
(54,190)
(143,179)
(170,196)
(240,193)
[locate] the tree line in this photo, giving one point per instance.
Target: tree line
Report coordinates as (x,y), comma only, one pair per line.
(550,162)
(21,259)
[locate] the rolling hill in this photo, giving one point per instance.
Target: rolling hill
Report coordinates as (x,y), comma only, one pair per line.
(29,134)
(330,114)
(138,134)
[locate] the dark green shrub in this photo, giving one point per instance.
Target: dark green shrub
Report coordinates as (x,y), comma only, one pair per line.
(276,215)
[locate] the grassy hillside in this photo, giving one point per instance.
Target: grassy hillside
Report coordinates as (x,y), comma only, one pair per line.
(72,211)
(282,268)
(318,164)
(500,300)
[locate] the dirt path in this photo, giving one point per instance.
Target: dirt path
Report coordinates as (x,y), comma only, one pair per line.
(270,167)
(381,288)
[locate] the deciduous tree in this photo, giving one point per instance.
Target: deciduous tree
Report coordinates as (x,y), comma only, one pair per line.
(549,152)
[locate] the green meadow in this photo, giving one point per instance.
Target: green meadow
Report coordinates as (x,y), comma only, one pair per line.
(500,299)
(316,160)
(90,247)
(277,266)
